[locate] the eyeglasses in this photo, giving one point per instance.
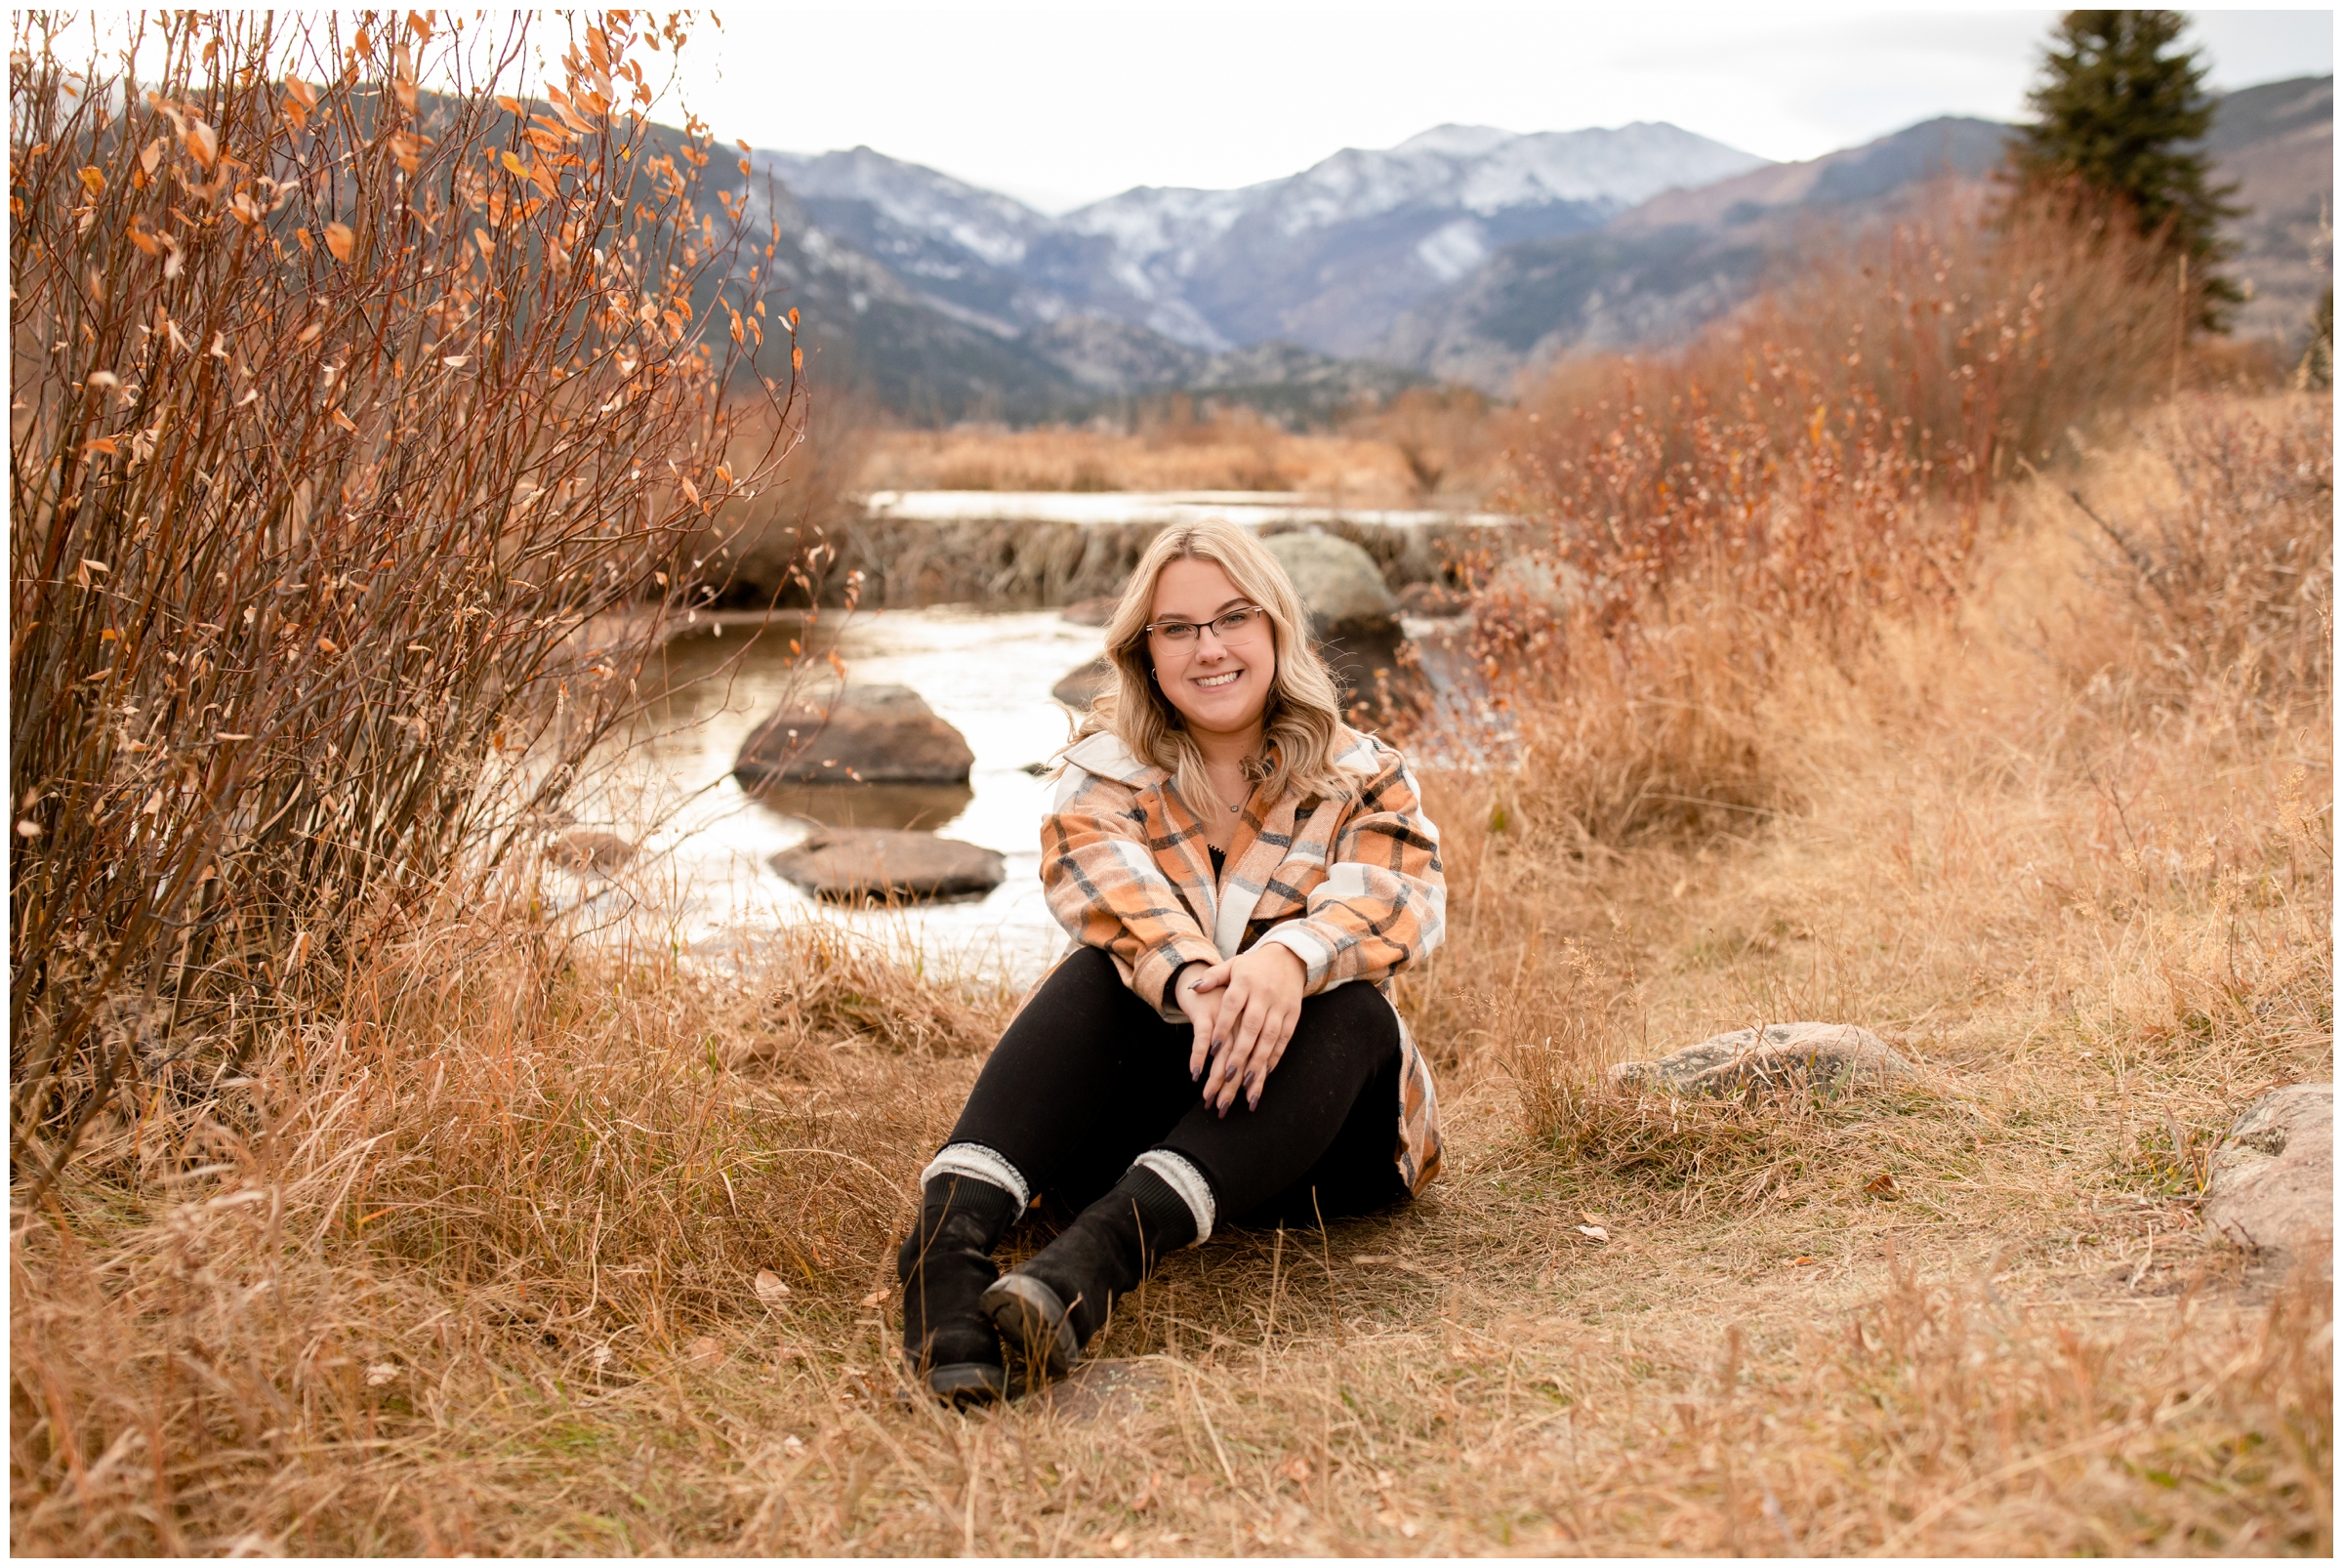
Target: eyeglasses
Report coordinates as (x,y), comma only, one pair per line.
(1230,627)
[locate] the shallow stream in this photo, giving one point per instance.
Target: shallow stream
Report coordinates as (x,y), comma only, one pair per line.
(701,879)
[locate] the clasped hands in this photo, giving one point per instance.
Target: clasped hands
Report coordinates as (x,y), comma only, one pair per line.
(1244,1010)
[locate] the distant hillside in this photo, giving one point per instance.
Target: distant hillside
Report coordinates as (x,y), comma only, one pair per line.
(2277,142)
(1659,273)
(1655,275)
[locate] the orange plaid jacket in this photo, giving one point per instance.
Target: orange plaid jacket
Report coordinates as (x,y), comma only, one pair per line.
(1352,886)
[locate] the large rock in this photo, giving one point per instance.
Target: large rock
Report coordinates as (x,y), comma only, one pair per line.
(1337,581)
(2272,1187)
(1834,1058)
(1354,618)
(1079,687)
(872,734)
(857,865)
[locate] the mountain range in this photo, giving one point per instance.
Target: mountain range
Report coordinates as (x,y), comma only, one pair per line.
(1465,254)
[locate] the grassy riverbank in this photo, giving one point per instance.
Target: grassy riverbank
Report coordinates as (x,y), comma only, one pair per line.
(518,1250)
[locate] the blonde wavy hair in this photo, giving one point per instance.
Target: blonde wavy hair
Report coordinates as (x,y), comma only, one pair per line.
(1302,730)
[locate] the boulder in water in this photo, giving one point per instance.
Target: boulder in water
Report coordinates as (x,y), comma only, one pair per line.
(1834,1058)
(1079,687)
(1337,581)
(869,734)
(859,865)
(1354,618)
(2272,1187)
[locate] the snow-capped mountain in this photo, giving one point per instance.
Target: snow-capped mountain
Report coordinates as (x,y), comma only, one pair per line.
(1327,256)
(1318,257)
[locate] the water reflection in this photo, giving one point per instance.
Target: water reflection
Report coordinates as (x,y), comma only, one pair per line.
(922,807)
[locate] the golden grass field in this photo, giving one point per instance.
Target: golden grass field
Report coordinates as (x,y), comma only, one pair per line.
(475,1266)
(1420,451)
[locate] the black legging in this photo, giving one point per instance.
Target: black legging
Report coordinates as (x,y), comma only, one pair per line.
(1089,1077)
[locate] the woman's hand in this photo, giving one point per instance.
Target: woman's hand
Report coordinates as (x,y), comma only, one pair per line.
(1259,998)
(1201,1007)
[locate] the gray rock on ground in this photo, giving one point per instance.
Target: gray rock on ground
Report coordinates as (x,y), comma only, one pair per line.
(856,865)
(1834,1058)
(2272,1187)
(874,734)
(1079,687)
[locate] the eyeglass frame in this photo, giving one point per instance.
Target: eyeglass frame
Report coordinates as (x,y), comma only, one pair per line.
(1197,628)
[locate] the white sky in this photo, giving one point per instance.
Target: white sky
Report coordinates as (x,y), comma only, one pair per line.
(1061,104)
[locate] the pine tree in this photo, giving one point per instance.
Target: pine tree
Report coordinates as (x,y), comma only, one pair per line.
(2121,110)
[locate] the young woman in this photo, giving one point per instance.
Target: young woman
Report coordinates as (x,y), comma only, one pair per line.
(1241,874)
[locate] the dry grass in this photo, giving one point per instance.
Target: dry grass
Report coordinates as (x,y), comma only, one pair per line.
(1379,461)
(479,1268)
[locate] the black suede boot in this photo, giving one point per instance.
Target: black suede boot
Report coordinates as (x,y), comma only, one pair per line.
(945,1264)
(1047,1310)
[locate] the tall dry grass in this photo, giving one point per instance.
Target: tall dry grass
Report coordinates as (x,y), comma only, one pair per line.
(1831,462)
(359,433)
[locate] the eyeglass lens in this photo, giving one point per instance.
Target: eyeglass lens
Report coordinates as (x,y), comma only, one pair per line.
(1234,623)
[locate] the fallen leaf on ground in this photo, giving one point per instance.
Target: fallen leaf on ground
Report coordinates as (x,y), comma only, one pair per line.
(707,1347)
(1884,1187)
(769,1287)
(1800,1262)
(380,1374)
(876,1297)
(1596,1231)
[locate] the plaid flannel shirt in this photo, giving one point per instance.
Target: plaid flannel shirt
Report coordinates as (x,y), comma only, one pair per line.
(1353,886)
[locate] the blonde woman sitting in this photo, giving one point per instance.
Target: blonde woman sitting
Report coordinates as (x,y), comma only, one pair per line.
(1242,873)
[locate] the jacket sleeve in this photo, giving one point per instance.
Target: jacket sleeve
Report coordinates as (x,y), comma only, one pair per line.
(1104,888)
(1383,903)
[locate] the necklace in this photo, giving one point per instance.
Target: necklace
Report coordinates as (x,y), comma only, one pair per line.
(1223,799)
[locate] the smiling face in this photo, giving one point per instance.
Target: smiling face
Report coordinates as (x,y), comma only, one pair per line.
(1218,687)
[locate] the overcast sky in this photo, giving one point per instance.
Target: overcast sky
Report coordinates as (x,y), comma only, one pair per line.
(1063,103)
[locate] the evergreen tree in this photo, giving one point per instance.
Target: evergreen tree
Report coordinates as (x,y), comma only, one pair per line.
(2120,110)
